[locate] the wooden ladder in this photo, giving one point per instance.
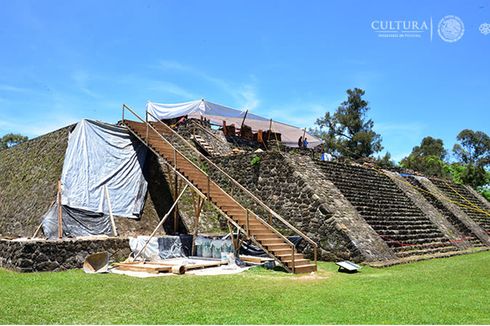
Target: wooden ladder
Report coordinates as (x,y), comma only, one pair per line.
(156,135)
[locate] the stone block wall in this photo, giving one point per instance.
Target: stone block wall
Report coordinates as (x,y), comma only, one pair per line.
(57,255)
(288,190)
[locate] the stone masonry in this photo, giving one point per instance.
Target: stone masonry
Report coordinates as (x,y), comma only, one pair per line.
(57,255)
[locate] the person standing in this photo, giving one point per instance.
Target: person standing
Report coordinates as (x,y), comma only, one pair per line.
(300,142)
(305,143)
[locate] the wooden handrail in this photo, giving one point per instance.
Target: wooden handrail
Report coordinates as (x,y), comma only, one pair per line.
(257,200)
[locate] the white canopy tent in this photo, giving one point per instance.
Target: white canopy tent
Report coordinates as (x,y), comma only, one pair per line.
(217,113)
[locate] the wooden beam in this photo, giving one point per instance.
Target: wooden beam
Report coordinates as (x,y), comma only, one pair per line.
(60,212)
(176,212)
(108,198)
(198,205)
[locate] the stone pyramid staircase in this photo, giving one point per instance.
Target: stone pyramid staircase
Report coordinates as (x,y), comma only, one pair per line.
(467,201)
(436,202)
(397,220)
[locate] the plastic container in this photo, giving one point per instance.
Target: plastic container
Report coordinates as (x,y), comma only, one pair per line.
(227,247)
(216,246)
(206,248)
(198,246)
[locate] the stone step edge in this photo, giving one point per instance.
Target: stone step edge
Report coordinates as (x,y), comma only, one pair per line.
(412,259)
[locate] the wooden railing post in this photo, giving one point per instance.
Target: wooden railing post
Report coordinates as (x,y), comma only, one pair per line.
(248,225)
(209,187)
(175,158)
(293,259)
(316,254)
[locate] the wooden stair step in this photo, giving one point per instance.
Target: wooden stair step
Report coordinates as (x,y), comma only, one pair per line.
(265,232)
(270,241)
(305,269)
(286,256)
(298,263)
(280,246)
(267,237)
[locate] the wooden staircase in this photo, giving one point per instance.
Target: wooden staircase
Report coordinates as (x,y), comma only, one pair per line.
(156,135)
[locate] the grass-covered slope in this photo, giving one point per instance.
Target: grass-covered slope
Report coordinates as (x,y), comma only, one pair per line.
(440,291)
(28,181)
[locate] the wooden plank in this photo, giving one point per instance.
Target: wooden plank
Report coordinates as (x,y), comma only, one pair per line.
(205,265)
(254,259)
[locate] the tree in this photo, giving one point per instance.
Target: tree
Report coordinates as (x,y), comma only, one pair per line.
(348,132)
(427,158)
(473,152)
(10,140)
(474,148)
(385,162)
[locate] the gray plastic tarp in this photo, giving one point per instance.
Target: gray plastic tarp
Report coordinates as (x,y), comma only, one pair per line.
(76,223)
(164,247)
(99,155)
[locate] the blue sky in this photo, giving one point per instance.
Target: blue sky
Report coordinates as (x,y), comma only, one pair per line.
(62,61)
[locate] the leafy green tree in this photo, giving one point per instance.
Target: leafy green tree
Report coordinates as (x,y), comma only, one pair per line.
(348,132)
(473,152)
(427,158)
(385,161)
(10,140)
(473,148)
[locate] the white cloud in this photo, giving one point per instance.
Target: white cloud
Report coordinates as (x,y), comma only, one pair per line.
(171,88)
(173,65)
(82,79)
(249,98)
(15,89)
(31,129)
(410,130)
(245,94)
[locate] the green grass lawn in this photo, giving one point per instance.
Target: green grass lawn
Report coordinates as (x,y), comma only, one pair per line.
(441,291)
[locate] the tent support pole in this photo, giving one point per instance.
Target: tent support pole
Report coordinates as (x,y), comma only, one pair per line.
(161,223)
(243,121)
